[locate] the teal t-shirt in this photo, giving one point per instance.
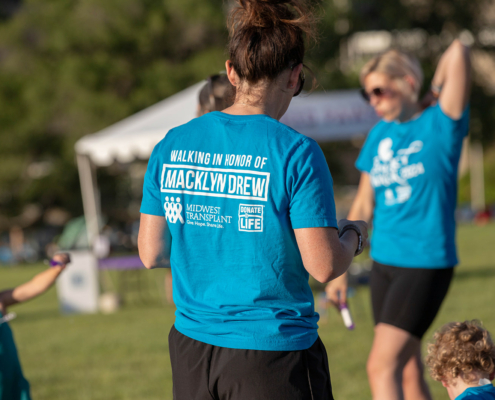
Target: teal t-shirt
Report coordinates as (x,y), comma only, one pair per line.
(413,170)
(13,385)
(233,189)
(485,392)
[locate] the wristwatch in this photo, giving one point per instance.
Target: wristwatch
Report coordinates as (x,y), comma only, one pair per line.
(356,229)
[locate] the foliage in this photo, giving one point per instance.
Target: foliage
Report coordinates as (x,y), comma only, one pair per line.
(69,68)
(73,67)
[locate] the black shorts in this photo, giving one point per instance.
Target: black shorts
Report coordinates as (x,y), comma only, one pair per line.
(408,298)
(204,372)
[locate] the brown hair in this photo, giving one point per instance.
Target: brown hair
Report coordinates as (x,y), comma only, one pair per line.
(217,94)
(461,349)
(267,36)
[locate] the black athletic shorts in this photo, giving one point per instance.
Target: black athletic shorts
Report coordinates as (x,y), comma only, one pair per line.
(204,372)
(408,298)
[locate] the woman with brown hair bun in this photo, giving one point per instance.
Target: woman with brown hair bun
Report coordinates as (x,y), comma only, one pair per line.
(249,204)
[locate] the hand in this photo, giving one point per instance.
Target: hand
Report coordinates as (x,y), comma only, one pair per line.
(336,290)
(363,227)
(61,259)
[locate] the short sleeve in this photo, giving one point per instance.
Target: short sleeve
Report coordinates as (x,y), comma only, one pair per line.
(457,127)
(151,203)
(310,188)
(364,162)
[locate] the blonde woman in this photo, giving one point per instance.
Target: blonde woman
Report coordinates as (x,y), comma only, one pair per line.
(408,187)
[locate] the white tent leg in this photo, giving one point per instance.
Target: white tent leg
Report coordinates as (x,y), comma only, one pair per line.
(89,191)
(477,177)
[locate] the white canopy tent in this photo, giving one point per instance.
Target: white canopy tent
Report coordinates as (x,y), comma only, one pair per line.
(340,115)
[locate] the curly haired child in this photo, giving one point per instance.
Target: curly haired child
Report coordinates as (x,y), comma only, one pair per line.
(462,357)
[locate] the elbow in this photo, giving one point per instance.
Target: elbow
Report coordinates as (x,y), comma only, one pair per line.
(325,276)
(148,264)
(144,254)
(331,273)
(148,261)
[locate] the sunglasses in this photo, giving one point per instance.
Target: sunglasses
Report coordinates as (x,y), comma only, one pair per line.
(377,92)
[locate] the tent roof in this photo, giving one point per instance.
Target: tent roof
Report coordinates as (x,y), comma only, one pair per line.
(331,116)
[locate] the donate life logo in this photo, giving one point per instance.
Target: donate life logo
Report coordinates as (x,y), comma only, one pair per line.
(173,211)
(250,218)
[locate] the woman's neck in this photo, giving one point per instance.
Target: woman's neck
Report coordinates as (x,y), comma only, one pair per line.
(265,100)
(409,111)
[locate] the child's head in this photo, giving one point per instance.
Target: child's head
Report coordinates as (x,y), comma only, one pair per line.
(461,350)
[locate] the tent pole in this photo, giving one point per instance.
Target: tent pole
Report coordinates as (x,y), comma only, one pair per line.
(477,177)
(89,191)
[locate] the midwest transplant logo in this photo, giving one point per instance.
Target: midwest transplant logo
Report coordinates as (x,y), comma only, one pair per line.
(173,210)
(250,218)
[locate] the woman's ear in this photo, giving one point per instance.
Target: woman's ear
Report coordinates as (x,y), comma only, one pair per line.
(294,77)
(231,74)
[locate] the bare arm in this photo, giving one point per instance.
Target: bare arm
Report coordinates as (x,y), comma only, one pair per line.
(324,255)
(361,209)
(152,244)
(364,202)
(36,286)
(453,76)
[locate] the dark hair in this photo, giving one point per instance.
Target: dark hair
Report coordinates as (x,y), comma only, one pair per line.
(217,94)
(267,36)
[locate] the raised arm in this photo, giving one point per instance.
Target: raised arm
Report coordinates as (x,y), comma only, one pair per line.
(154,248)
(452,79)
(361,209)
(36,286)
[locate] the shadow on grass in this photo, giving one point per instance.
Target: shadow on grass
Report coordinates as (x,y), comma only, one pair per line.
(480,272)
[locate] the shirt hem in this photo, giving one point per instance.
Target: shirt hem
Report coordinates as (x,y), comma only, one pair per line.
(432,265)
(151,212)
(268,345)
(314,223)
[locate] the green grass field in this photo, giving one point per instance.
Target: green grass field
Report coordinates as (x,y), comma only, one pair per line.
(125,355)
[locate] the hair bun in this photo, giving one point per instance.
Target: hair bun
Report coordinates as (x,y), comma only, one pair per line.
(267,36)
(269,13)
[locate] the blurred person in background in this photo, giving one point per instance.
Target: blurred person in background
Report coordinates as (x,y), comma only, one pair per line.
(462,357)
(249,223)
(216,95)
(409,187)
(13,385)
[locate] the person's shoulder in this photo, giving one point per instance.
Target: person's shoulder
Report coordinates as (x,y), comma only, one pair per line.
(474,396)
(436,110)
(379,128)
(289,135)
(478,393)
(180,132)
